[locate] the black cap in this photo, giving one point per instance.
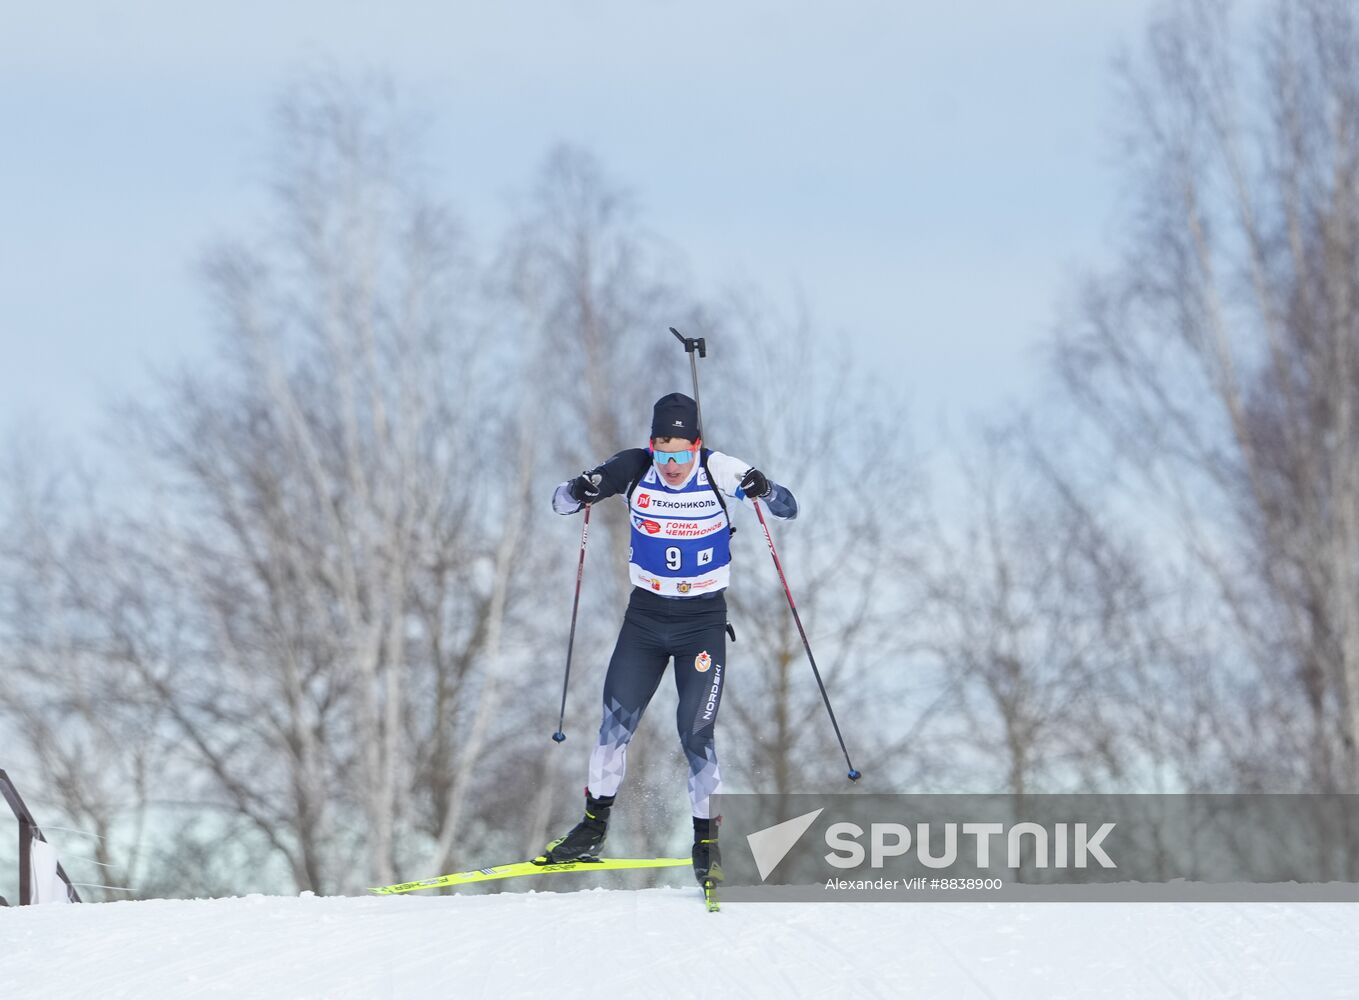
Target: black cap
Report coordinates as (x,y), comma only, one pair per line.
(675,415)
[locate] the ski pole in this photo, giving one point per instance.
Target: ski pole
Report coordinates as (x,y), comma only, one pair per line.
(696,344)
(854,774)
(560,734)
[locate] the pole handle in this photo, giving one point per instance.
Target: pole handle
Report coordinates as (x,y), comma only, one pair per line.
(692,344)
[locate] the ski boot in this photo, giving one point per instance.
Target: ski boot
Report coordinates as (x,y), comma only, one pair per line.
(586,837)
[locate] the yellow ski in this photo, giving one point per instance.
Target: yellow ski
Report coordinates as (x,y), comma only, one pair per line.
(528,868)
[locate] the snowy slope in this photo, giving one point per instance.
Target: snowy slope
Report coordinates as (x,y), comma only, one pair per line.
(661,943)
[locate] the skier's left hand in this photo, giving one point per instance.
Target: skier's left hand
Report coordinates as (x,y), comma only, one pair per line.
(755,485)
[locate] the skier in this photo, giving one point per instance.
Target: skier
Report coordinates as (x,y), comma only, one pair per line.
(678,566)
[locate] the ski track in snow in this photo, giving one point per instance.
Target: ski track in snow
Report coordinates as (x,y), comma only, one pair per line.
(660,943)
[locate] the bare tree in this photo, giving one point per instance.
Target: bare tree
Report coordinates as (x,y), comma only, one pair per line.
(349,573)
(1053,627)
(1220,356)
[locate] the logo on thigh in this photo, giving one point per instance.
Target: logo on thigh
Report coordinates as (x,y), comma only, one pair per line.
(702,662)
(709,709)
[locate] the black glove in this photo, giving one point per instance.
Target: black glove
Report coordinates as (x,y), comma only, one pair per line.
(755,485)
(585,487)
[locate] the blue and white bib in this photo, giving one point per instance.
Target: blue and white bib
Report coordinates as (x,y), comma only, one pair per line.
(681,545)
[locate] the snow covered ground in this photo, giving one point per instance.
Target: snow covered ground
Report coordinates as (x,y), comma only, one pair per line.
(605,944)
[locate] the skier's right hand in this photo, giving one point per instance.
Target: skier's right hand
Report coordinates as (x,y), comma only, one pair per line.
(585,487)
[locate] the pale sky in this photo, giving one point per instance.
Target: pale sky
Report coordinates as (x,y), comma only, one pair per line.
(927,177)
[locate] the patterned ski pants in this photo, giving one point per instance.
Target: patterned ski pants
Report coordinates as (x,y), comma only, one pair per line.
(693,631)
